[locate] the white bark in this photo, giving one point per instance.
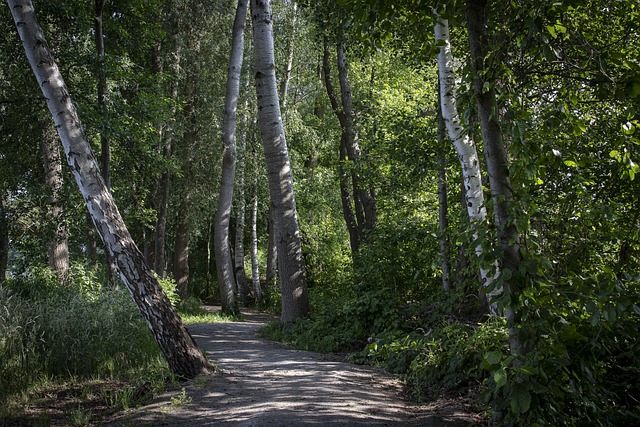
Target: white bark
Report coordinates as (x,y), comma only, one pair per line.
(178,347)
(295,303)
(224,265)
(464,145)
(255,269)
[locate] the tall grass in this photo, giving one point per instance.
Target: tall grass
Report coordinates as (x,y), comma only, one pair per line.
(48,330)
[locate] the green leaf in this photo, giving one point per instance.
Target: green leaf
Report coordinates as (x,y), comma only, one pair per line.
(520,401)
(500,377)
(552,31)
(493,357)
(571,163)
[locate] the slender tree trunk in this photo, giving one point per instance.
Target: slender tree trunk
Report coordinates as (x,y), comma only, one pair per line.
(105,154)
(224,266)
(358,203)
(497,163)
(255,268)
(58,245)
(286,78)
(164,184)
(4,241)
(295,303)
(443,205)
(464,145)
(238,253)
(181,245)
(178,347)
(272,255)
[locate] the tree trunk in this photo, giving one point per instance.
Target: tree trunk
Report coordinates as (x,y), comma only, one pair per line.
(497,163)
(4,241)
(181,245)
(295,303)
(255,269)
(178,347)
(358,204)
(58,250)
(272,255)
(443,205)
(464,145)
(284,83)
(224,266)
(105,153)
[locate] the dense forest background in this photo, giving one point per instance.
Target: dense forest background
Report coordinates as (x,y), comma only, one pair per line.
(532,306)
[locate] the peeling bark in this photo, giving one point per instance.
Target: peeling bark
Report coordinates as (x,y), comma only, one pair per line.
(464,145)
(178,347)
(295,303)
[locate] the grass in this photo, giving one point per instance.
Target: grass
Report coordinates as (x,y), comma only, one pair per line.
(78,354)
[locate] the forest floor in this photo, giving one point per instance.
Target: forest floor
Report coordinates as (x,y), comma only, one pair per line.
(262,383)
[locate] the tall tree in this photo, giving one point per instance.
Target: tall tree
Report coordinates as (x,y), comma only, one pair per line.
(178,347)
(464,145)
(443,205)
(295,303)
(224,266)
(58,245)
(497,163)
(105,144)
(358,201)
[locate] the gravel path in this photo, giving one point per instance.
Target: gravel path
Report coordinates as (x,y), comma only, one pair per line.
(260,383)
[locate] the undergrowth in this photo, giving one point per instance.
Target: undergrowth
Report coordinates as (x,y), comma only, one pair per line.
(53,335)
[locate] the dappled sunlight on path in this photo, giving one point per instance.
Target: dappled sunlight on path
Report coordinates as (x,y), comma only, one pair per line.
(260,383)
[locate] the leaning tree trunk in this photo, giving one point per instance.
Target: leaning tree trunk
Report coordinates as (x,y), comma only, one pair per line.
(497,163)
(295,302)
(465,148)
(224,265)
(58,250)
(178,347)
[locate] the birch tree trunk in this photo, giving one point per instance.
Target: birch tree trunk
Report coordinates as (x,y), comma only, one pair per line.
(181,244)
(255,268)
(497,162)
(178,347)
(464,145)
(224,266)
(58,250)
(295,303)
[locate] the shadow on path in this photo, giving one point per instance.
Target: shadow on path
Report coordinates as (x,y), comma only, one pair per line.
(260,383)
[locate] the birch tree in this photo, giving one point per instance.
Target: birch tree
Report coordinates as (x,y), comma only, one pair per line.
(464,145)
(178,347)
(295,303)
(224,266)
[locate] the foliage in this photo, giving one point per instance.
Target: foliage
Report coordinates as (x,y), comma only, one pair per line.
(79,329)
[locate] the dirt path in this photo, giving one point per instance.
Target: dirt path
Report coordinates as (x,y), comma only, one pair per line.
(260,383)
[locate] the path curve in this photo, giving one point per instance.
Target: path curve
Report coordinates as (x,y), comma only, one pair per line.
(261,383)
